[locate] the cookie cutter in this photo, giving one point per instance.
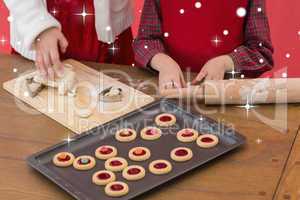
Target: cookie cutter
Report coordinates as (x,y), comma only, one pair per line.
(33,88)
(111,94)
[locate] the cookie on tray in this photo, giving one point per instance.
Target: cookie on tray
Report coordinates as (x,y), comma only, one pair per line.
(116,164)
(160,167)
(103,177)
(181,154)
(116,189)
(165,120)
(84,163)
(139,154)
(63,159)
(105,152)
(187,135)
(125,135)
(151,133)
(134,173)
(207,141)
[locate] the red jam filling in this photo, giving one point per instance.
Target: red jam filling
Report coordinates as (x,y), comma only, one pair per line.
(165,118)
(116,187)
(181,152)
(133,171)
(84,161)
(160,165)
(106,150)
(126,134)
(103,176)
(139,152)
(151,132)
(207,140)
(187,133)
(115,163)
(64,158)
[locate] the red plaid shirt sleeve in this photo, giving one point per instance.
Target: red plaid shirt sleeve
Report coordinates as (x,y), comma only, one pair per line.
(149,41)
(254,56)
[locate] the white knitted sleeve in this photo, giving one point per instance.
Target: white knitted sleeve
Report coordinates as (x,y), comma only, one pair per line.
(30,18)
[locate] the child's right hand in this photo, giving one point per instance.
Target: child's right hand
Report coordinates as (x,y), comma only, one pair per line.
(47,46)
(170,74)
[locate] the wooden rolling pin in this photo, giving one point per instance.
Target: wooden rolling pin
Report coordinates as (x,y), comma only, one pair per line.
(241,91)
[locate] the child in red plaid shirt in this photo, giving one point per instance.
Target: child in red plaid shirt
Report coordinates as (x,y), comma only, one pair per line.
(209,37)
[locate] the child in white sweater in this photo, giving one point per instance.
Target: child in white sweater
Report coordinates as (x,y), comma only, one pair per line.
(48,31)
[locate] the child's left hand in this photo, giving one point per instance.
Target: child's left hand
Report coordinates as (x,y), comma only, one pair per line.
(215,69)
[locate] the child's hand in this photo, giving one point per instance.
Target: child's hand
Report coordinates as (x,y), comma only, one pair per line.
(170,74)
(47,46)
(215,69)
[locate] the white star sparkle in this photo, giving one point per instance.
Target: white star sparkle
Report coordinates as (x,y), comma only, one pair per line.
(198,4)
(3,41)
(248,106)
(68,139)
(216,41)
(113,49)
(241,12)
(259,9)
(26,94)
(54,11)
(225,32)
(258,141)
(233,73)
(181,11)
(284,75)
(84,14)
(10,18)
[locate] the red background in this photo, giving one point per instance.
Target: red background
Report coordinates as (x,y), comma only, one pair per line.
(284,21)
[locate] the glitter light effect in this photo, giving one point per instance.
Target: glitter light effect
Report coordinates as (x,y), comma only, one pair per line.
(84,14)
(216,41)
(113,49)
(68,139)
(248,106)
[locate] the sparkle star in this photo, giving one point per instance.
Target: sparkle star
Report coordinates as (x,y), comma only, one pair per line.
(233,73)
(84,14)
(216,41)
(68,139)
(3,41)
(258,141)
(113,49)
(247,106)
(54,11)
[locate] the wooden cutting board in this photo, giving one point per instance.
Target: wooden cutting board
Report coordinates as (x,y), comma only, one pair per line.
(61,108)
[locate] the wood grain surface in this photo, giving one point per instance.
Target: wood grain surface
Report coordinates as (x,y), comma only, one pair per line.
(267,163)
(61,108)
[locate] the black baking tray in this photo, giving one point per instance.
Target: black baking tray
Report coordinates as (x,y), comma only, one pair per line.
(79,183)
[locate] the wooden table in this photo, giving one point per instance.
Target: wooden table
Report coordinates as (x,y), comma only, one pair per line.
(267,167)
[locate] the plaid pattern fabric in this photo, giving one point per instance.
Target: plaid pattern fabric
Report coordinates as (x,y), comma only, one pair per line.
(253,57)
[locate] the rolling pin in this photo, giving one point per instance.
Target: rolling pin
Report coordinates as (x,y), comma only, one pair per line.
(241,91)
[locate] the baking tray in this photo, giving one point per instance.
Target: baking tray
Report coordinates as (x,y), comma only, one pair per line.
(79,183)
